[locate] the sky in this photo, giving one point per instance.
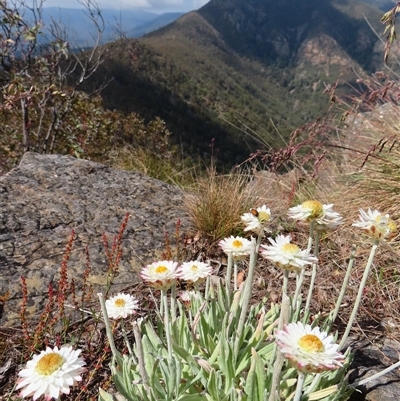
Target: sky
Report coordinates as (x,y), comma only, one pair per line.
(157,6)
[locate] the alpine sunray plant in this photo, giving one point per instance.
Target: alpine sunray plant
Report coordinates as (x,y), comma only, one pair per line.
(214,344)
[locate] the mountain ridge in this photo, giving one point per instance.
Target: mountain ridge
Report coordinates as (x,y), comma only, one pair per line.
(152,25)
(226,63)
(81,29)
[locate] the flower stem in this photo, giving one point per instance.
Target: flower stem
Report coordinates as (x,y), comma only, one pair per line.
(166,322)
(117,355)
(311,236)
(296,303)
(285,312)
(299,388)
(334,314)
(314,271)
(314,384)
(173,301)
(283,319)
(162,306)
(229,277)
(285,283)
(207,289)
(247,292)
(128,345)
(259,239)
(359,295)
(235,273)
(249,280)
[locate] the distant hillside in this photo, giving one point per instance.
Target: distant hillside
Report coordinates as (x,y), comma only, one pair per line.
(261,65)
(154,24)
(81,30)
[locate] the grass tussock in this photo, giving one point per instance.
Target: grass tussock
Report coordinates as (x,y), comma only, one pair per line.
(216,203)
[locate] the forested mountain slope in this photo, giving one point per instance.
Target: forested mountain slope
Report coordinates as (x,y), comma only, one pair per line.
(257,64)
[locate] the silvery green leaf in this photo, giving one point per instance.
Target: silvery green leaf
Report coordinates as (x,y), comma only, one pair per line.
(104,396)
(149,354)
(187,357)
(212,387)
(191,397)
(256,384)
(154,381)
(154,339)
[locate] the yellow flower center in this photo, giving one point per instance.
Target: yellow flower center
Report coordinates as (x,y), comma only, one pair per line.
(194,268)
(237,243)
(311,343)
(49,363)
(161,269)
(263,216)
(316,208)
(392,226)
(290,248)
(386,227)
(120,303)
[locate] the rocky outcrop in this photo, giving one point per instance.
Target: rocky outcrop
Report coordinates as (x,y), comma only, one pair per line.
(48,196)
(370,359)
(312,52)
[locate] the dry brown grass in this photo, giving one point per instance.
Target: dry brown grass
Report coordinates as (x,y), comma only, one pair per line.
(366,173)
(216,203)
(352,161)
(371,172)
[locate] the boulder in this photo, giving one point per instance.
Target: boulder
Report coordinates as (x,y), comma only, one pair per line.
(370,359)
(47,197)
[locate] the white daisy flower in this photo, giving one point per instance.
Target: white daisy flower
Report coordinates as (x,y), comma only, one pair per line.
(376,225)
(194,271)
(308,349)
(330,219)
(239,246)
(307,211)
(51,373)
(286,255)
(257,218)
(310,210)
(121,305)
(160,275)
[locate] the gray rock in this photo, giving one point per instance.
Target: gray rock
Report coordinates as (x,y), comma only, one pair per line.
(48,196)
(369,360)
